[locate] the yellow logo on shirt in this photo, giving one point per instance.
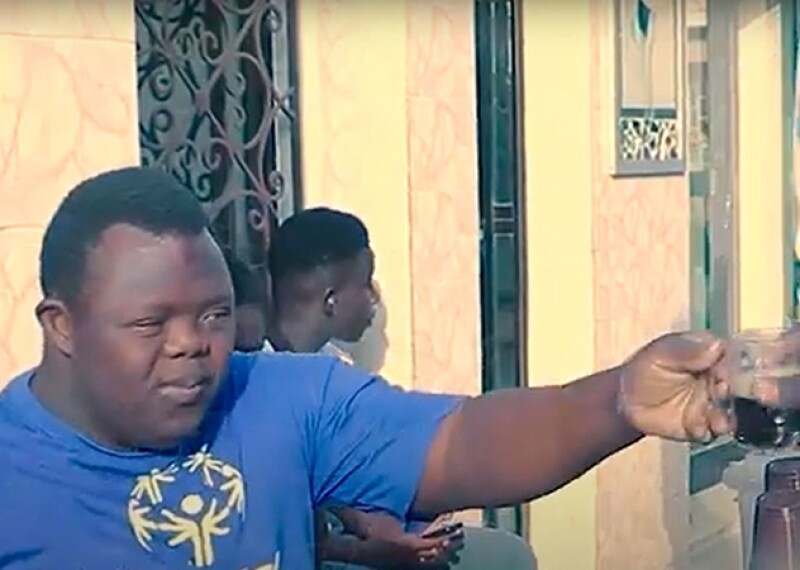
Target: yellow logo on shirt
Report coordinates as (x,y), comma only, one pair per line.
(192,521)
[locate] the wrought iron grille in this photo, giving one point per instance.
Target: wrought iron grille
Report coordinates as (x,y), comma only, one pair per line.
(217,109)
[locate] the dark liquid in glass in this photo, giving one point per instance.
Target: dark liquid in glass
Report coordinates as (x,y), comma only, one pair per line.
(762,426)
(783,474)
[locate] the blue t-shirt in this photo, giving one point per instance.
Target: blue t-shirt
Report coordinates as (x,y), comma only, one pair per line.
(287,433)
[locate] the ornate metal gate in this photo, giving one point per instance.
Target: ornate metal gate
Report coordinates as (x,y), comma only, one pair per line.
(217,109)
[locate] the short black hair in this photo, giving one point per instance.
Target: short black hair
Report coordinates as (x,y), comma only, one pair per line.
(145,198)
(248,286)
(315,238)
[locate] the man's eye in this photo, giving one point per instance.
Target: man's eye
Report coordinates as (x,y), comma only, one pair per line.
(216,315)
(148,325)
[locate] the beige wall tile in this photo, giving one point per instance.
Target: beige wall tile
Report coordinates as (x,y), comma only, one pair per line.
(109,20)
(67,111)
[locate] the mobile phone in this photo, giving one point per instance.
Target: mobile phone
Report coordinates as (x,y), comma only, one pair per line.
(443,530)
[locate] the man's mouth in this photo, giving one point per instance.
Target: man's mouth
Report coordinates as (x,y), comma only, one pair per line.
(185,393)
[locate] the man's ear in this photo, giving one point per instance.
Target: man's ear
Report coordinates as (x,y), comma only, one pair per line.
(329,302)
(56,321)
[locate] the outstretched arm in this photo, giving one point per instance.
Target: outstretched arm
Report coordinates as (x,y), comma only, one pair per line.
(515,445)
(379,447)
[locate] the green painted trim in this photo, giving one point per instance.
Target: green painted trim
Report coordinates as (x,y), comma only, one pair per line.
(500,207)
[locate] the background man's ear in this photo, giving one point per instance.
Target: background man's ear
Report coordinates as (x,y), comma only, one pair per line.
(56,322)
(330,302)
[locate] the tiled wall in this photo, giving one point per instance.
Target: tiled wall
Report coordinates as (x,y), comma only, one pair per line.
(443,182)
(389,132)
(388,119)
(640,244)
(67,111)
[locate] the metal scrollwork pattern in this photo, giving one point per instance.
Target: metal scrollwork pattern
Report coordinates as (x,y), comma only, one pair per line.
(217,109)
(649,138)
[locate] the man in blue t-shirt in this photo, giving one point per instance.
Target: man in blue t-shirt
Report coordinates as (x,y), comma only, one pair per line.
(140,441)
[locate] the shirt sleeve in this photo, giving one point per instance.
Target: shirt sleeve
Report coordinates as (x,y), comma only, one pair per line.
(372,440)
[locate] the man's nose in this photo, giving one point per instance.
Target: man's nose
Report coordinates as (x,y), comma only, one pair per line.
(187,340)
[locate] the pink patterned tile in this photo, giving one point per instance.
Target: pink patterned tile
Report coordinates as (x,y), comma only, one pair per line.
(107,20)
(445,344)
(440,49)
(641,264)
(50,143)
(442,154)
(47,144)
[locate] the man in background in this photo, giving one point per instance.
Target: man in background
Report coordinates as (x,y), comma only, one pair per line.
(322,268)
(251,304)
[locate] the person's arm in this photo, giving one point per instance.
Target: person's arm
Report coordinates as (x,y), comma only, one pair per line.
(403,550)
(515,445)
(377,540)
(413,453)
(352,550)
(334,547)
(424,454)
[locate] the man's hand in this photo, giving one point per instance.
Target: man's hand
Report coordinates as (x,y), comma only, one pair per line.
(669,388)
(383,543)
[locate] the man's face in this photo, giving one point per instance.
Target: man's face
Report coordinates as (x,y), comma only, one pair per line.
(251,327)
(355,298)
(151,335)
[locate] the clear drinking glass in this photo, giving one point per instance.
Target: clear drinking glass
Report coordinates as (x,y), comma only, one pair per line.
(765,361)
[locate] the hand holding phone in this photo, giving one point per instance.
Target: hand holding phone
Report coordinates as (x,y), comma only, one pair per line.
(442,530)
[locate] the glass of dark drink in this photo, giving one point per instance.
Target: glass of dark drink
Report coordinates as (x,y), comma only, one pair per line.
(764,361)
(783,474)
(776,540)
